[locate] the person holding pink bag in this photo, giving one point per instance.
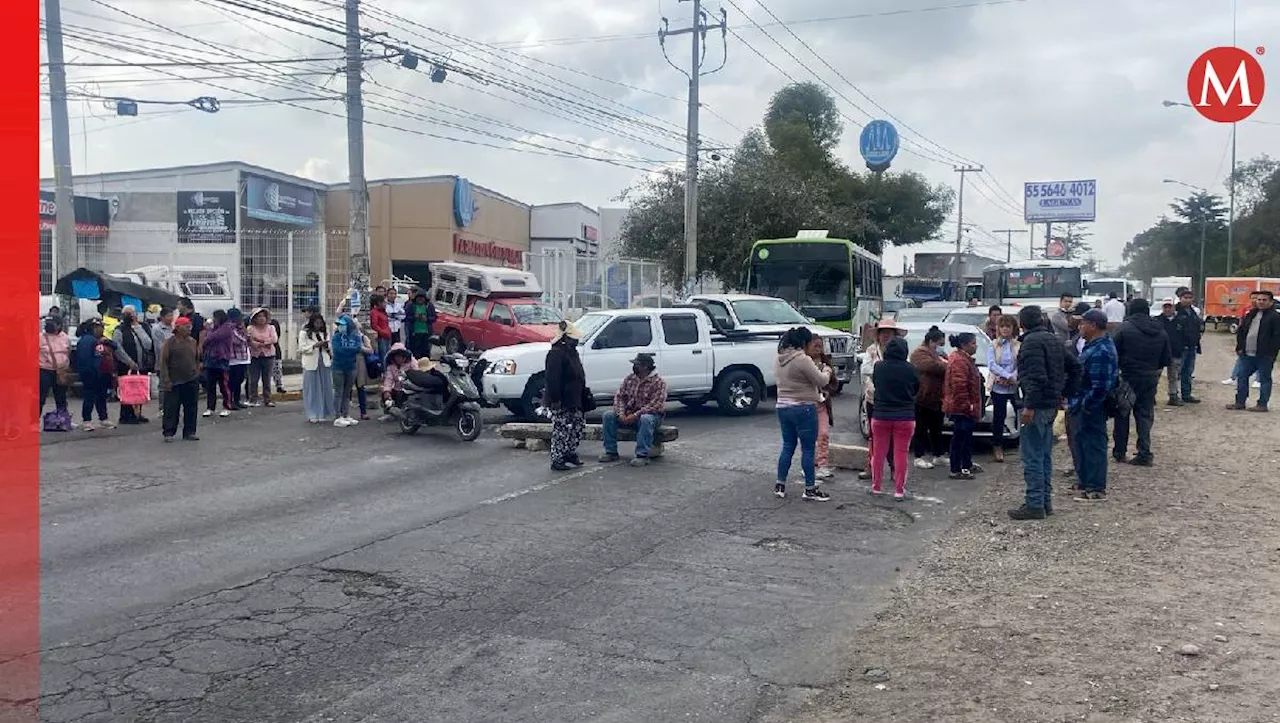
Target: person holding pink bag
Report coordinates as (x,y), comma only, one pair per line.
(893,420)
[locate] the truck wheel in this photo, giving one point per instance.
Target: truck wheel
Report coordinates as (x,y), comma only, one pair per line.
(532,398)
(453,342)
(738,393)
(1233,327)
(864,422)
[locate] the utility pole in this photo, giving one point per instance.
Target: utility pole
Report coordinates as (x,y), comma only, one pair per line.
(698,34)
(1231,192)
(65,256)
(1009,232)
(358,239)
(955,266)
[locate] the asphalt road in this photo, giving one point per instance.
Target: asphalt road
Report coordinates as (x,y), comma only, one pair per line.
(277,571)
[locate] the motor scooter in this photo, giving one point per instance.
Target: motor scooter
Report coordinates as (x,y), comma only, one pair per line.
(447,398)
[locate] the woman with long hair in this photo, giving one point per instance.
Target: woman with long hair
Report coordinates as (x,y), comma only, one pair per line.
(1002,360)
(800,383)
(931,370)
(894,420)
(962,401)
(565,396)
(317,370)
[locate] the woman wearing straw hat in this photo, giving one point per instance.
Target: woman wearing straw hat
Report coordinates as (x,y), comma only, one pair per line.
(565,395)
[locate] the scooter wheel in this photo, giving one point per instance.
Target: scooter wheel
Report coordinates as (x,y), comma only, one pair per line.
(408,427)
(467,425)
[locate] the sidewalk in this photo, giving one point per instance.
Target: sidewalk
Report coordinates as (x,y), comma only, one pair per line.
(1161,604)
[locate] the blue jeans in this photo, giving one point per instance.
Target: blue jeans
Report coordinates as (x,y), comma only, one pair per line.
(384,346)
(1250,365)
(1188,369)
(644,433)
(799,426)
(962,442)
(1089,446)
(1036,445)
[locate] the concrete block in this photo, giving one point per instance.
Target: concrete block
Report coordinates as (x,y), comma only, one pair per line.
(848,456)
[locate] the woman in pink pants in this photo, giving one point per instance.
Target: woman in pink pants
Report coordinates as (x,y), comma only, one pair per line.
(893,421)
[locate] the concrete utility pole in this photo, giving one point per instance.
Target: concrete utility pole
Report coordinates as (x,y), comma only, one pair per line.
(955,266)
(1009,232)
(65,256)
(358,241)
(698,34)
(1231,193)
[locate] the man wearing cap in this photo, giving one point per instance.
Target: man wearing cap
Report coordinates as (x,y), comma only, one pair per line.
(1177,344)
(1143,348)
(640,402)
(1075,347)
(179,369)
(1190,323)
(1086,410)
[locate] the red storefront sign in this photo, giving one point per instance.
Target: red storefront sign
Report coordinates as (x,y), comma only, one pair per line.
(486,250)
(589,233)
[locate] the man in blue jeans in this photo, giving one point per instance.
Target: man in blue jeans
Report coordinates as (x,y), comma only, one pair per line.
(640,402)
(1188,319)
(1087,408)
(1257,344)
(1046,373)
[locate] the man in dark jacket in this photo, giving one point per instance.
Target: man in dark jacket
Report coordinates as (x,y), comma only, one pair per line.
(1177,344)
(1191,325)
(1143,348)
(1045,373)
(1257,343)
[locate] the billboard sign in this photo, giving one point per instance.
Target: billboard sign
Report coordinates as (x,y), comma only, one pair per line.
(1060,201)
(207,217)
(878,144)
(271,200)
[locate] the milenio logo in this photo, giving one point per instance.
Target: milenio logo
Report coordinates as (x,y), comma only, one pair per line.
(1226,84)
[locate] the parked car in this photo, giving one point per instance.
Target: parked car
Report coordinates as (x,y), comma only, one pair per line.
(486,307)
(970,315)
(751,312)
(915,332)
(698,364)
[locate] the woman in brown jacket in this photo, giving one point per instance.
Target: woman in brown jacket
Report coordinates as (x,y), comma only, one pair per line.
(962,401)
(932,368)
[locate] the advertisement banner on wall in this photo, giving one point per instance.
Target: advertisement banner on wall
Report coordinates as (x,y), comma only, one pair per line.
(93,215)
(207,217)
(475,248)
(271,200)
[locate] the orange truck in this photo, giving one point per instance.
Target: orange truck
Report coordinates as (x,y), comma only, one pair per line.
(1226,299)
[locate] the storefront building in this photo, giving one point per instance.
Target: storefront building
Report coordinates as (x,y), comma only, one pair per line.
(93,221)
(415,221)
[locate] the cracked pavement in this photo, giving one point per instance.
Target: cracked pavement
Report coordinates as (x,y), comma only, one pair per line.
(278,571)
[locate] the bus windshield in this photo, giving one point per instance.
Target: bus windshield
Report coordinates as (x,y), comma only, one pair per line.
(814,276)
(1041,283)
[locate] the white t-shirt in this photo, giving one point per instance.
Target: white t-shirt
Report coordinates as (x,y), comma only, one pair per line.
(395,315)
(1115,311)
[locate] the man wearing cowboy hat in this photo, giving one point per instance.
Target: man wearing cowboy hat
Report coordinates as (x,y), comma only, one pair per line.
(640,402)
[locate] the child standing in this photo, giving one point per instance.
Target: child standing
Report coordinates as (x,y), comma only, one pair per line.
(826,418)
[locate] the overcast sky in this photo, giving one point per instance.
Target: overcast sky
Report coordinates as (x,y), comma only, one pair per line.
(1034,90)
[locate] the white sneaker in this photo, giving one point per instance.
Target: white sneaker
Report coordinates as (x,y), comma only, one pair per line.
(1228,382)
(224,413)
(923,463)
(824,473)
(1256,384)
(352,421)
(207,413)
(340,422)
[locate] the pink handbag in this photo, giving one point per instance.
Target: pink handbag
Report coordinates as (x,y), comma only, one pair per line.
(134,389)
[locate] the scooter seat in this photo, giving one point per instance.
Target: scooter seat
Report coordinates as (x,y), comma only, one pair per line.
(424,380)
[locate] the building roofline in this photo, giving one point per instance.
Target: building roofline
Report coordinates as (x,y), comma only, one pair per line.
(178,170)
(568,204)
(407,180)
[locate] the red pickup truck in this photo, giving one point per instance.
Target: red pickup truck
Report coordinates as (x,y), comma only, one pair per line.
(491,323)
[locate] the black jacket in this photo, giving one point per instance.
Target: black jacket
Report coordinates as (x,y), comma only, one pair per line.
(566,379)
(1268,335)
(1143,346)
(896,383)
(1192,326)
(1177,337)
(1044,368)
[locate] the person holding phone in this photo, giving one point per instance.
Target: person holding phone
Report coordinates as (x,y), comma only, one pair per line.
(317,370)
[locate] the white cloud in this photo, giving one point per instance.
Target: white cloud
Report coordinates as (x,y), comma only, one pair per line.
(1032,90)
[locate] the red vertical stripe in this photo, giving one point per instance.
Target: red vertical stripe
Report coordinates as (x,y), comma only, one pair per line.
(19,435)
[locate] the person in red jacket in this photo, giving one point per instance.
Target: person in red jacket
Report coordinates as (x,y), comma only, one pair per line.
(962,401)
(380,323)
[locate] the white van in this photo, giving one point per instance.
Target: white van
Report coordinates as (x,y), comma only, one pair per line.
(208,287)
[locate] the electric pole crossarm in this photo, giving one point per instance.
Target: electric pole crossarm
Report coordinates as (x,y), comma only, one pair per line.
(1009,232)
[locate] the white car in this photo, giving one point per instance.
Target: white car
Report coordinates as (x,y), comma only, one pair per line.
(751,312)
(915,332)
(698,364)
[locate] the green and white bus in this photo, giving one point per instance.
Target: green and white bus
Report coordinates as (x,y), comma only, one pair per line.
(835,282)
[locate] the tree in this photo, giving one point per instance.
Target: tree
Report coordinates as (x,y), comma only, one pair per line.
(803,126)
(1172,246)
(1251,179)
(1257,233)
(778,181)
(1075,239)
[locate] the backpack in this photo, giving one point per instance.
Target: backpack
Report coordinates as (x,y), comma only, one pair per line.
(373,365)
(59,420)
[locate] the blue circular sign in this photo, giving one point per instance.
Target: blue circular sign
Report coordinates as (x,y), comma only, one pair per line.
(464,202)
(878,144)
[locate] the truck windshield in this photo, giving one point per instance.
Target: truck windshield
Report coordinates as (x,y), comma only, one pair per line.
(536,314)
(767,311)
(814,276)
(589,323)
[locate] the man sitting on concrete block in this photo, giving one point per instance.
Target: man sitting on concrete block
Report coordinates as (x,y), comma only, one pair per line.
(640,402)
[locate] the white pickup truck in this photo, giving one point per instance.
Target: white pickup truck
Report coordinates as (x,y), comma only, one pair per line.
(698,362)
(751,312)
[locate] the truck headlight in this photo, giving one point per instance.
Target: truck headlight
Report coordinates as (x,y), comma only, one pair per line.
(504,367)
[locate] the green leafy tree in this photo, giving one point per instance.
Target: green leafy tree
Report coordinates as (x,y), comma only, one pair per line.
(803,126)
(1172,246)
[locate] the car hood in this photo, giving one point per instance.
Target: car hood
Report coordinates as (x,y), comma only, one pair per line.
(547,331)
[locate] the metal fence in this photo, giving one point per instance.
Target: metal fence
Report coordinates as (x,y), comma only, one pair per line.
(578,284)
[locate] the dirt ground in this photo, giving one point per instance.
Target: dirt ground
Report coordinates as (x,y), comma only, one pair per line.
(1084,617)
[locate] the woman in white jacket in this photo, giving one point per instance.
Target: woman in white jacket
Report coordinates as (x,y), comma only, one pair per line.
(317,370)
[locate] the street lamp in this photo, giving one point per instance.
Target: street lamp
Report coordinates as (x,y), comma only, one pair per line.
(1204,221)
(1231,184)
